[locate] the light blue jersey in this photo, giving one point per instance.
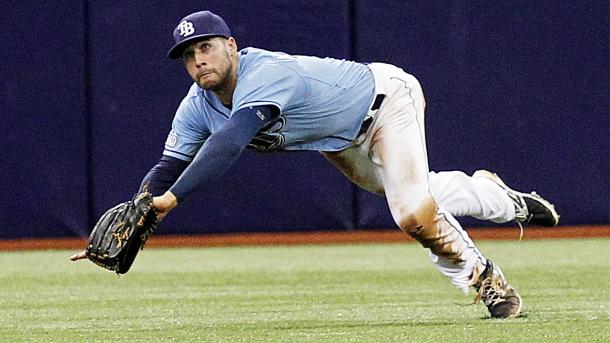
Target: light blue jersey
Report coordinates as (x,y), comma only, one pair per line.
(322,102)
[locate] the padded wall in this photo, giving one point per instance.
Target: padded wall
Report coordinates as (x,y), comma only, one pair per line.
(88,96)
(518,87)
(43,159)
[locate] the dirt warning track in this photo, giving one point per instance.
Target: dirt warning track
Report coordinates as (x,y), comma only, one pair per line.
(315,237)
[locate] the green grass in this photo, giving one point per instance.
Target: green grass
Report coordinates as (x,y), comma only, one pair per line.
(332,293)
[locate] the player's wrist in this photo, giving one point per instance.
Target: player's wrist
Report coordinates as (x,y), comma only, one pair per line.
(171,200)
(164,204)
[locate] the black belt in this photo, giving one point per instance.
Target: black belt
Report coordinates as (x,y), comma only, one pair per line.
(377,103)
(366,123)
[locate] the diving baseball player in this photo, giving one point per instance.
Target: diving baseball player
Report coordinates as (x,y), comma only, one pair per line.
(367,120)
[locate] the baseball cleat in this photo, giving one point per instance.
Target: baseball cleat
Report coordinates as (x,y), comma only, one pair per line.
(529,207)
(493,290)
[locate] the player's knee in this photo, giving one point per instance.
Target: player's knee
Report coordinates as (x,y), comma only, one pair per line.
(411,215)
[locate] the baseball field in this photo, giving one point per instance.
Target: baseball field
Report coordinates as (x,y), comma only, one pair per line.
(384,292)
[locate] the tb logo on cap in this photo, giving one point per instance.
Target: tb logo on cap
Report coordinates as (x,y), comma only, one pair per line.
(186,28)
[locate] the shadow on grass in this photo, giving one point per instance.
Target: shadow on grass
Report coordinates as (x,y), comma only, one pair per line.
(364,324)
(522,315)
(361,324)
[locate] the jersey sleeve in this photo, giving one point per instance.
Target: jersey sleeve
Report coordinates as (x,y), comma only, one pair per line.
(221,150)
(267,84)
(189,131)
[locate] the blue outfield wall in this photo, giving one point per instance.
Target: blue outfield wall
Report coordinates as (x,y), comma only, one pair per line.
(88,96)
(44,155)
(517,87)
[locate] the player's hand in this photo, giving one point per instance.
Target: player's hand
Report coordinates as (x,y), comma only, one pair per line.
(164,203)
(78,256)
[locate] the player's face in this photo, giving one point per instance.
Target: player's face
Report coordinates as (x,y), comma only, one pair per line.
(209,63)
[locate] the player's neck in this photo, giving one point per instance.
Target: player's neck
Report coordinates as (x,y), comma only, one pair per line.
(225,96)
(225,93)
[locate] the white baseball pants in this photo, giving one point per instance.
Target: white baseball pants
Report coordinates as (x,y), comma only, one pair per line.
(390,158)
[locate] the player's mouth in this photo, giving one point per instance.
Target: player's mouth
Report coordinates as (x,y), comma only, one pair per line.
(204,73)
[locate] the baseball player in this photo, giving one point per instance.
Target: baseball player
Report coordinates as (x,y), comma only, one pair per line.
(367,120)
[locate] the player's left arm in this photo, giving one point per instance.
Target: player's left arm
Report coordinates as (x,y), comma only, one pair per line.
(217,155)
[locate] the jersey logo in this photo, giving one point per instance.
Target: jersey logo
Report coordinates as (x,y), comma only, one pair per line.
(186,28)
(260,115)
(270,138)
(172,139)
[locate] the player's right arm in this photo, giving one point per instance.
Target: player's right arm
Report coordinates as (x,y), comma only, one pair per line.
(163,175)
(217,155)
(188,134)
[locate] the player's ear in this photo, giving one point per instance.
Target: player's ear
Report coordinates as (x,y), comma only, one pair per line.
(232,45)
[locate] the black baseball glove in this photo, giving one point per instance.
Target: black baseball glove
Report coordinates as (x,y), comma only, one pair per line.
(121,232)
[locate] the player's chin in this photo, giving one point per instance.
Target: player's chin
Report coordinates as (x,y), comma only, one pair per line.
(208,82)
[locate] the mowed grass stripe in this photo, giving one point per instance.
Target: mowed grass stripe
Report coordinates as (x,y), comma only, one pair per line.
(327,293)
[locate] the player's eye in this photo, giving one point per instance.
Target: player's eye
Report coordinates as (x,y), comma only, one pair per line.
(205,46)
(188,54)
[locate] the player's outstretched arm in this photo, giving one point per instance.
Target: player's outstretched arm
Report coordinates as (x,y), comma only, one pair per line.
(163,175)
(216,156)
(222,149)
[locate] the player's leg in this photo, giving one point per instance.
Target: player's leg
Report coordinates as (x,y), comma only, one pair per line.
(398,148)
(399,152)
(491,285)
(401,174)
(485,196)
(463,195)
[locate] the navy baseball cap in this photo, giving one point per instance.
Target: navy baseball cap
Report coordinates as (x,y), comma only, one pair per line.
(197,25)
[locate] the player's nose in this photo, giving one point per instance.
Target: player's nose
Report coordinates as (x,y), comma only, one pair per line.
(199,59)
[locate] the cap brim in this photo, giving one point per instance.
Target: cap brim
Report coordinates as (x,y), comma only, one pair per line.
(176,50)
